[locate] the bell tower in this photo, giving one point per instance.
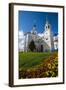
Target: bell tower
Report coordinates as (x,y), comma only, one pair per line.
(48,36)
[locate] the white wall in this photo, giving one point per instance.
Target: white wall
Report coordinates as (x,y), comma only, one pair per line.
(4,45)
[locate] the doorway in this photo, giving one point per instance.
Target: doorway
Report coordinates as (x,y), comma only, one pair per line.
(41,48)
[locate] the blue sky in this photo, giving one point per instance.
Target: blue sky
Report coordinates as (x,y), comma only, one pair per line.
(28,18)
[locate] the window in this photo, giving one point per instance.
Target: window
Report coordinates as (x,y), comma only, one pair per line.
(48,26)
(46,38)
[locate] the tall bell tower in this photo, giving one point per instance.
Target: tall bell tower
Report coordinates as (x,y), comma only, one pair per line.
(48,36)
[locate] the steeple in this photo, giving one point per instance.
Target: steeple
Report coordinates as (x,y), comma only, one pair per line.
(47,25)
(48,36)
(46,20)
(34,29)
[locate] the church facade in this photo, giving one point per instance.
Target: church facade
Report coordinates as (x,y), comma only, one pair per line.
(44,42)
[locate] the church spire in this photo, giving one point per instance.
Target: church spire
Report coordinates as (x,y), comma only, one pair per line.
(34,29)
(47,25)
(46,20)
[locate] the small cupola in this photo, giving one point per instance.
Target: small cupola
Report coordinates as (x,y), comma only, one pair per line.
(34,29)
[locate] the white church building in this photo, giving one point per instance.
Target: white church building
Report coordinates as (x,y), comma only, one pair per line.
(43,41)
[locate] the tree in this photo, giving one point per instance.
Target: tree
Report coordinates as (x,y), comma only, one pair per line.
(32,46)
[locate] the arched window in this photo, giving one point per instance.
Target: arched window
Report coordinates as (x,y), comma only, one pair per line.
(48,26)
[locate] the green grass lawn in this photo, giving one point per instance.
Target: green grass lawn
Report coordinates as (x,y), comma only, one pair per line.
(31,59)
(38,64)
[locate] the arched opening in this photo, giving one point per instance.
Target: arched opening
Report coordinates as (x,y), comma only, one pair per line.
(41,48)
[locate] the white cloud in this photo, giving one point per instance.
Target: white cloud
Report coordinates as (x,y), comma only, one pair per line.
(21,34)
(40,34)
(21,40)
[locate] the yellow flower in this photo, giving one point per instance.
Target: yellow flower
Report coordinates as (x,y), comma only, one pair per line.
(49,65)
(47,73)
(53,66)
